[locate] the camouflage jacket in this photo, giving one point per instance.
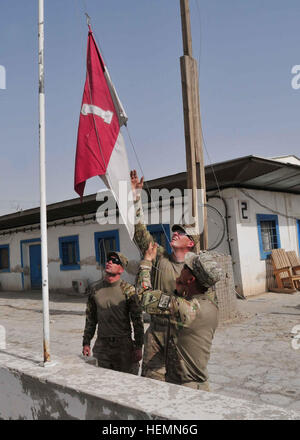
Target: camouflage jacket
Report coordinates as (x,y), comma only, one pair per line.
(142,236)
(181,311)
(165,269)
(133,312)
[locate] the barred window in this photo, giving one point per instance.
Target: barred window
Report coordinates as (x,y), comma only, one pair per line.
(268,233)
(69,252)
(106,242)
(161,234)
(4,257)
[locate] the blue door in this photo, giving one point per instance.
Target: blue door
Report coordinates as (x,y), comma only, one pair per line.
(35,266)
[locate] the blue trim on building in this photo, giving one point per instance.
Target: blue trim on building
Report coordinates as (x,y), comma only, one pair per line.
(5,246)
(69,239)
(32,240)
(113,234)
(267,217)
(164,229)
(298,229)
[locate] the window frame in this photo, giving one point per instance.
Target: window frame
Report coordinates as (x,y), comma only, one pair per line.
(6,246)
(113,233)
(162,228)
(267,217)
(68,239)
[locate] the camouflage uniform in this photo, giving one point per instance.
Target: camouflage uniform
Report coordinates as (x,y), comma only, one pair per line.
(192,321)
(112,307)
(164,273)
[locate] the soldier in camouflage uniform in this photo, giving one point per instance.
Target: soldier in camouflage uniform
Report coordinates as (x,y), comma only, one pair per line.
(193,316)
(112,305)
(166,268)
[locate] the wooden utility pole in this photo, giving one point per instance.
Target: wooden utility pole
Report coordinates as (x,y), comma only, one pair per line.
(192,123)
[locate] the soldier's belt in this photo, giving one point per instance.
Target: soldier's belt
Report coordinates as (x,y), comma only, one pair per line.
(113,338)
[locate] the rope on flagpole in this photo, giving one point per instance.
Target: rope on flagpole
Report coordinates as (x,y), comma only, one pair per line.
(88,19)
(147,186)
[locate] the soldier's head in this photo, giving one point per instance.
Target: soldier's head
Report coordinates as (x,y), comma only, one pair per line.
(184,237)
(198,274)
(116,263)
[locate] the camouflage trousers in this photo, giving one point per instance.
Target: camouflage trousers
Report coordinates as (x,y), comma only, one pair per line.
(177,371)
(116,353)
(155,339)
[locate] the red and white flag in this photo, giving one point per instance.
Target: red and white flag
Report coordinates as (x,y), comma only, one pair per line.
(101,148)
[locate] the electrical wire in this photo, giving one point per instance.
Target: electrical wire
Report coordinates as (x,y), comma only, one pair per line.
(263,205)
(199,70)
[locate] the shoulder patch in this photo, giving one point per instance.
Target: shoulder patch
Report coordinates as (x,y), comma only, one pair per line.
(128,289)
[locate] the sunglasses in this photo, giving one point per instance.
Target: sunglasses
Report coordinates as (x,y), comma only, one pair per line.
(115,260)
(182,233)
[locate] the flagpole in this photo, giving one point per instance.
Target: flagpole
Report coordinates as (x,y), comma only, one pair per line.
(43,209)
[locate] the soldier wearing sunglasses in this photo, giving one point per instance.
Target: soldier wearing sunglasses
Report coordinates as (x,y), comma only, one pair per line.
(112,306)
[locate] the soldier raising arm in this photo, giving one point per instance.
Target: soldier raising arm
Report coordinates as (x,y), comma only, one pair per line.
(193,316)
(166,268)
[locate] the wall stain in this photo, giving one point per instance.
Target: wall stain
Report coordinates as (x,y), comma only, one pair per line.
(89,261)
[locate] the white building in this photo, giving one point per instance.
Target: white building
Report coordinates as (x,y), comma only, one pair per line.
(253,206)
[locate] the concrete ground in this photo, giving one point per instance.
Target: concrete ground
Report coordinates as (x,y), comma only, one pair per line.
(252,357)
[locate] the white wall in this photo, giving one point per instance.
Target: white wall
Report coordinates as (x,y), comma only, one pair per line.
(229,245)
(248,267)
(253,268)
(62,279)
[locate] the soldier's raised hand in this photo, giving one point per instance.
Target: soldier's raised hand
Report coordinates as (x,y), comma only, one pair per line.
(151,252)
(136,184)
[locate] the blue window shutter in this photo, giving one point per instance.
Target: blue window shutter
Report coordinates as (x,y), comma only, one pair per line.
(161,234)
(105,242)
(69,252)
(268,231)
(4,258)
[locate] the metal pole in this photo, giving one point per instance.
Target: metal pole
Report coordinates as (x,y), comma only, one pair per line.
(42,144)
